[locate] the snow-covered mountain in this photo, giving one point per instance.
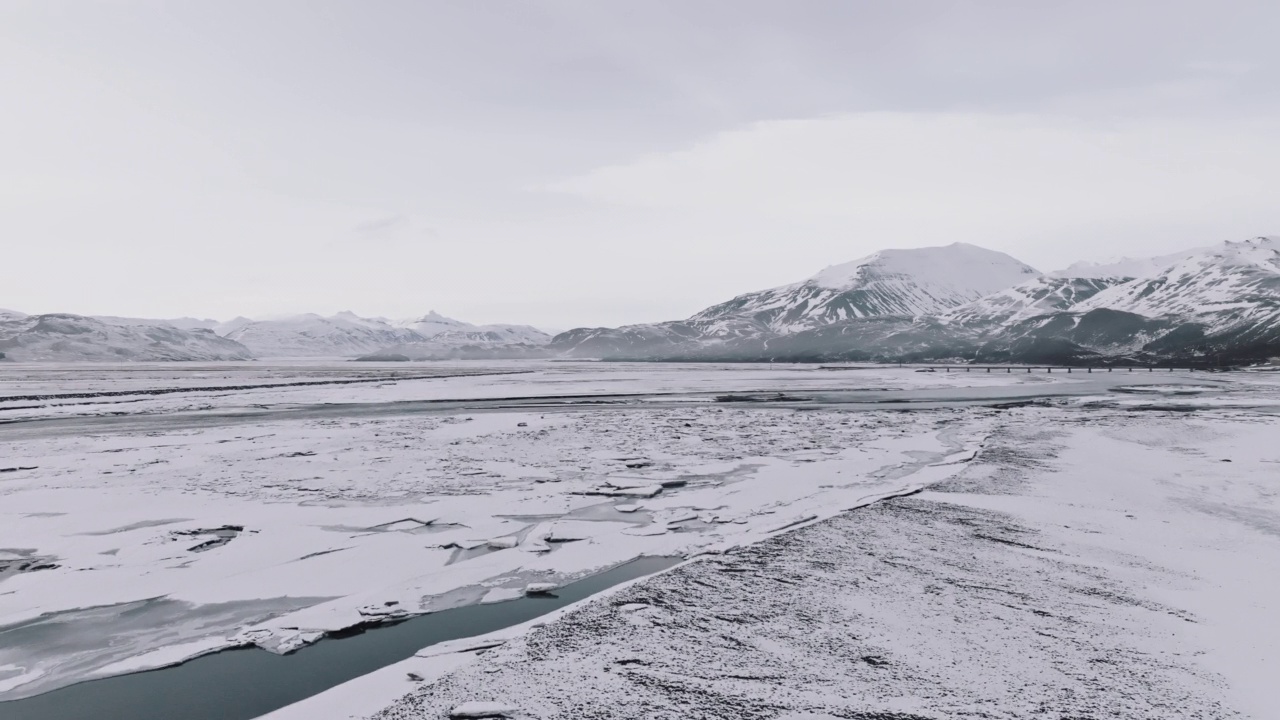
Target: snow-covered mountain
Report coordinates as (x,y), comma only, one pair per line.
(908,283)
(1125,267)
(65,337)
(310,335)
(444,338)
(1040,296)
(1223,300)
(899,284)
(432,324)
(444,331)
(1219,287)
(957,302)
(1204,305)
(190,323)
(962,302)
(349,335)
(493,335)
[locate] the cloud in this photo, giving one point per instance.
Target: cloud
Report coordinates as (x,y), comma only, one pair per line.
(394,229)
(381,226)
(911,178)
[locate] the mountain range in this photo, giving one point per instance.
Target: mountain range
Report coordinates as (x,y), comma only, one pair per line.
(66,337)
(1212,305)
(961,302)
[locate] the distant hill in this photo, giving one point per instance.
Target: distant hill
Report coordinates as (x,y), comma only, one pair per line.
(1212,305)
(349,335)
(64,337)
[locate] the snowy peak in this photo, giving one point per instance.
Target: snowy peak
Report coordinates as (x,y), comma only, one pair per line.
(1220,287)
(348,316)
(433,323)
(1261,252)
(190,323)
(961,301)
(960,267)
(897,283)
(224,329)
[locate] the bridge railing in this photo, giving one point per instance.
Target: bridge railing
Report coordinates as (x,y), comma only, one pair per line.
(1069,368)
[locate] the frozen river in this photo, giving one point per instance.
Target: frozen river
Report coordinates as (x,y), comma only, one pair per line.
(167,512)
(250,682)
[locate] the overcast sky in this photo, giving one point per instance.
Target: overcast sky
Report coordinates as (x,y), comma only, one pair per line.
(604,162)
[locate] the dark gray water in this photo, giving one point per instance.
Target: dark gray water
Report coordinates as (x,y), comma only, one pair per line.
(245,683)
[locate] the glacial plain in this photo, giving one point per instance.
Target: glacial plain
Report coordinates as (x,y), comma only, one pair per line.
(151,514)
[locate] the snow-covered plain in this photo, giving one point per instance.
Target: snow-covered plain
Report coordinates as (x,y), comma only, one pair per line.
(138,530)
(1098,558)
(269,511)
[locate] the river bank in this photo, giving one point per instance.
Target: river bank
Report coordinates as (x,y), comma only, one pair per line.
(1091,563)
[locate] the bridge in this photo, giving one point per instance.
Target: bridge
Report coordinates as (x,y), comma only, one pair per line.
(1065,368)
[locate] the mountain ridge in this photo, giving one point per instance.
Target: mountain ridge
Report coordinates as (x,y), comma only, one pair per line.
(67,337)
(911,282)
(62,337)
(956,302)
(1221,301)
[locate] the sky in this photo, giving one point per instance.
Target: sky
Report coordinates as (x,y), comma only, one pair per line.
(569,163)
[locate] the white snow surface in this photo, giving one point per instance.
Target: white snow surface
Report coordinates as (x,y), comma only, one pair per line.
(271,515)
(493,335)
(184,323)
(438,330)
(433,323)
(1040,296)
(347,335)
(912,282)
(1091,559)
(1124,267)
(481,709)
(956,270)
(62,337)
(311,335)
(1230,285)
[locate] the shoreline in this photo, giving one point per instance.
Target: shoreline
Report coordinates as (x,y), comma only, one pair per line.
(242,670)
